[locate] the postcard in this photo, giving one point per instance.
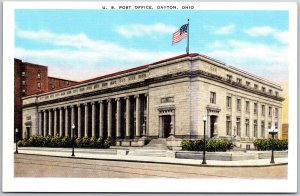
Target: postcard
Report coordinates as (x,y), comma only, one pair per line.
(149,97)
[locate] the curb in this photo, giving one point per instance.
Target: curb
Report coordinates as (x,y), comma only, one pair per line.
(156,162)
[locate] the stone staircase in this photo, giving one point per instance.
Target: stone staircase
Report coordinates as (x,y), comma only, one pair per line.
(155,148)
(158,144)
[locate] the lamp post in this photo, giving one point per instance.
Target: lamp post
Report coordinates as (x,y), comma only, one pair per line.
(16,136)
(272,131)
(73,143)
(204,122)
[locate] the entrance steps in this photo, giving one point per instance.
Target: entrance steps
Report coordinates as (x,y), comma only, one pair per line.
(159,144)
(148,152)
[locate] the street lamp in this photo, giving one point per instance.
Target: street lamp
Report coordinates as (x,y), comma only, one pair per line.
(16,136)
(272,131)
(204,122)
(73,143)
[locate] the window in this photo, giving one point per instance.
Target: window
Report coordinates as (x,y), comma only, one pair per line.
(255,86)
(269,125)
(263,111)
(239,80)
(248,83)
(67,82)
(52,86)
(276,125)
(262,129)
(23,73)
(228,102)
(228,125)
(255,128)
(247,106)
(39,76)
(23,82)
(263,89)
(23,92)
(276,112)
(39,85)
(212,97)
(255,108)
(270,111)
(238,104)
(276,93)
(229,77)
(247,128)
(238,126)
(270,91)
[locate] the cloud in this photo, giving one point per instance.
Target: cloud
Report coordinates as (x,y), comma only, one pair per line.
(281,36)
(269,61)
(138,30)
(224,30)
(81,56)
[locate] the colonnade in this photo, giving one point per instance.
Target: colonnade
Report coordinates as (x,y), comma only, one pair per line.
(119,117)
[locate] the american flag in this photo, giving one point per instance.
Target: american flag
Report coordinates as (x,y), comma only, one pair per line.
(180,34)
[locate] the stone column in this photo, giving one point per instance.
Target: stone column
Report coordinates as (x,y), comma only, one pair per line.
(109,118)
(160,127)
(40,123)
(138,116)
(45,122)
(172,125)
(127,117)
(147,118)
(72,120)
(60,122)
(86,119)
(101,122)
(55,121)
(66,121)
(93,120)
(118,126)
(50,122)
(79,121)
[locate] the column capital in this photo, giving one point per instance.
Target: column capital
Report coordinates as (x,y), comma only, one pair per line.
(78,104)
(100,101)
(71,106)
(136,96)
(66,107)
(108,100)
(117,99)
(92,102)
(146,94)
(85,104)
(54,109)
(126,97)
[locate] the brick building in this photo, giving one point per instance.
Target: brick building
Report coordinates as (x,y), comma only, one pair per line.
(31,79)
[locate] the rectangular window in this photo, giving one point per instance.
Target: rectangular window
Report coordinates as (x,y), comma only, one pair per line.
(276,112)
(263,89)
(239,80)
(212,97)
(248,83)
(255,108)
(270,111)
(263,111)
(39,85)
(276,125)
(229,77)
(238,126)
(238,104)
(255,128)
(247,128)
(247,106)
(269,125)
(255,86)
(276,93)
(262,129)
(228,102)
(39,76)
(228,125)
(23,82)
(23,73)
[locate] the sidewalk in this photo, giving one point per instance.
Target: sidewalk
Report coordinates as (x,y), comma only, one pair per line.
(112,154)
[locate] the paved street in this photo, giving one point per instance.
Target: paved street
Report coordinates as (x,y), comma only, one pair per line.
(46,166)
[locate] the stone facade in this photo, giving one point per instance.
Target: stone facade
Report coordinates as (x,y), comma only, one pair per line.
(166,99)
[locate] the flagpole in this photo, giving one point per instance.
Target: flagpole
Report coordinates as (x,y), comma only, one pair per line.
(188,38)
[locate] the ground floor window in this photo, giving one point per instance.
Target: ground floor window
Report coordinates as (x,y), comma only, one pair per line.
(238,126)
(247,128)
(255,128)
(228,125)
(263,129)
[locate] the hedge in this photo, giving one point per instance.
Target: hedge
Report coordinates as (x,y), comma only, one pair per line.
(58,141)
(212,145)
(266,144)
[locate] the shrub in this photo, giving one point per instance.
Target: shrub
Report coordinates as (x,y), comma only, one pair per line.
(108,142)
(266,144)
(212,145)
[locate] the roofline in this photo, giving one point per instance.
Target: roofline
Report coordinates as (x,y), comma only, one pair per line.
(62,79)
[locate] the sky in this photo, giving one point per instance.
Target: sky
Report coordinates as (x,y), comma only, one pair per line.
(82,44)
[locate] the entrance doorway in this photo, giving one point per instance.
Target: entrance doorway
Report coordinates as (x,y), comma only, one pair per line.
(27,132)
(166,126)
(213,125)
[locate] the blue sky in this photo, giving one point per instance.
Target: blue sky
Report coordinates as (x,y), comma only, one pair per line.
(80,44)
